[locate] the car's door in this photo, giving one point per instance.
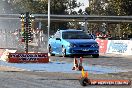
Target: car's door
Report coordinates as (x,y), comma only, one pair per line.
(58,42)
(52,41)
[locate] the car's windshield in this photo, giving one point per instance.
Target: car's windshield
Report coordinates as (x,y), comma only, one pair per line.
(75,35)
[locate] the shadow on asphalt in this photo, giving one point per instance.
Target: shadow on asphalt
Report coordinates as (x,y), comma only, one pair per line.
(101,56)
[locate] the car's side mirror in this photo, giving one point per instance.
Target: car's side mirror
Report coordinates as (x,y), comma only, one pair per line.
(50,37)
(58,39)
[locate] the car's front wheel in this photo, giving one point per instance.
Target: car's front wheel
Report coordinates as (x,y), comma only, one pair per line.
(63,52)
(50,51)
(95,55)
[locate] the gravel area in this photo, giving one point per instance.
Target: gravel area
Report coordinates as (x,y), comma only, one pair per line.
(11,77)
(51,80)
(18,78)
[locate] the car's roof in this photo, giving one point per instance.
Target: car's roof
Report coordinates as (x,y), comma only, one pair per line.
(69,30)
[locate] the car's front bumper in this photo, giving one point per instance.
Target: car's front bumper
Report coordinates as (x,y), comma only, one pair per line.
(82,51)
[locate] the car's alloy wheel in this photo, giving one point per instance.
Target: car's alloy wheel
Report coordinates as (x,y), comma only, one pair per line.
(95,55)
(63,52)
(50,51)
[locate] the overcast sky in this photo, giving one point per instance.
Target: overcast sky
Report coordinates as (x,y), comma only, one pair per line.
(85,2)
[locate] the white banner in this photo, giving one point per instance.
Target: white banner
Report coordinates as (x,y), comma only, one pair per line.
(119,47)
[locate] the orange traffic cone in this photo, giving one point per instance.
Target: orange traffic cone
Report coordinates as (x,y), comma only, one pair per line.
(75,67)
(84,74)
(80,64)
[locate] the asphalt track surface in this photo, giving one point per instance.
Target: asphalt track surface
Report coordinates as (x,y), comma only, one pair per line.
(17,78)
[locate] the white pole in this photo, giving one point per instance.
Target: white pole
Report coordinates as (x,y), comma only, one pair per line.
(86,28)
(48,24)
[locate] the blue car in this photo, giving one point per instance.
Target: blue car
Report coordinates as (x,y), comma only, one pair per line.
(73,42)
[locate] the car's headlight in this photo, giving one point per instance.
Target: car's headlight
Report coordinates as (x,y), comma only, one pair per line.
(94,45)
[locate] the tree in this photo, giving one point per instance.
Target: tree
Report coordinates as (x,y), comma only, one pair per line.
(41,6)
(126,6)
(80,11)
(87,10)
(123,7)
(32,6)
(112,7)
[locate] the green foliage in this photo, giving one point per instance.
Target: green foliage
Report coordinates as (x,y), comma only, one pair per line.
(87,10)
(126,6)
(57,7)
(32,6)
(111,7)
(41,7)
(114,8)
